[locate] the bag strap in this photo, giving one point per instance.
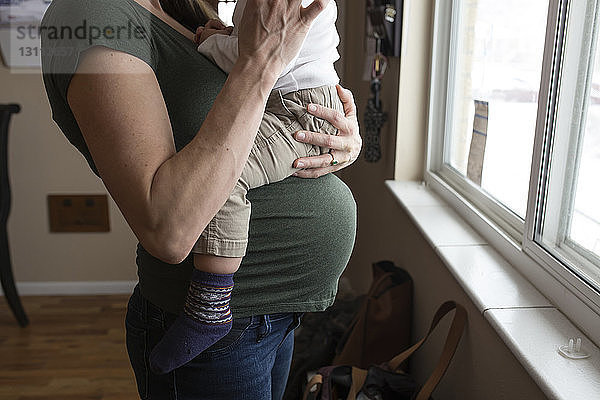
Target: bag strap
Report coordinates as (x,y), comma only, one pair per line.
(359,376)
(454,335)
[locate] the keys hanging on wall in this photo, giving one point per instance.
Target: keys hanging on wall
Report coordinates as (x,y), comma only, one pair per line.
(375,117)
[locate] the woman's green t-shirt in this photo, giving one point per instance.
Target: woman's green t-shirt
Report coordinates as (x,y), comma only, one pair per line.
(302,231)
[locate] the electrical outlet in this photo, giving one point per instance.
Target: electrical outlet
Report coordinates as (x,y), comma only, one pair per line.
(78,213)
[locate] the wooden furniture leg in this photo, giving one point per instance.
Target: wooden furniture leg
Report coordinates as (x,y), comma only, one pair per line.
(6,275)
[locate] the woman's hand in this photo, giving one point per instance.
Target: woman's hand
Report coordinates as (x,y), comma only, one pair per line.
(345,147)
(271,32)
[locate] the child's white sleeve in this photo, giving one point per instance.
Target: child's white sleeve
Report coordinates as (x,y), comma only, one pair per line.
(290,66)
(221,49)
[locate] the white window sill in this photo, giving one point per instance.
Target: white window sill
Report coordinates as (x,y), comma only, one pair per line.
(528,323)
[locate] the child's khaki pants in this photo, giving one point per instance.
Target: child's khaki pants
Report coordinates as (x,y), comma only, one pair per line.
(270,160)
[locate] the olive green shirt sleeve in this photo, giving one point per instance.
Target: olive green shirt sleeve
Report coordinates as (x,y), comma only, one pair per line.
(70,27)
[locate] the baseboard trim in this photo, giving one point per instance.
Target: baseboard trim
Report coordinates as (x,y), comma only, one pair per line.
(73,288)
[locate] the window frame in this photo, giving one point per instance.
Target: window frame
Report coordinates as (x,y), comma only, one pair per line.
(506,232)
(577,66)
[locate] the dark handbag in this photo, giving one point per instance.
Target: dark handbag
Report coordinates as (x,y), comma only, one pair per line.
(387,381)
(382,324)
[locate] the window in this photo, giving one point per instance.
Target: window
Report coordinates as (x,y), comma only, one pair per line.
(225,10)
(514,130)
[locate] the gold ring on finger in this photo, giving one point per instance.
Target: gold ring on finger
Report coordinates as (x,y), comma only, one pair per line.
(333,160)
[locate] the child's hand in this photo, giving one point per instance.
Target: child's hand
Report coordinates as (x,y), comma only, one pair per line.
(212,27)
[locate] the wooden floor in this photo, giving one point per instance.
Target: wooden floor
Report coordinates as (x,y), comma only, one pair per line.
(73,349)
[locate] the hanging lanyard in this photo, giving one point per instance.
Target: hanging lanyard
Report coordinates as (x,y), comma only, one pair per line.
(374,115)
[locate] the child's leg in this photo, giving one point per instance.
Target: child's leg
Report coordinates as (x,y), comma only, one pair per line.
(216,264)
(206,316)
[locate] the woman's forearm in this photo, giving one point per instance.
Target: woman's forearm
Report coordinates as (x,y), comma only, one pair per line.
(205,171)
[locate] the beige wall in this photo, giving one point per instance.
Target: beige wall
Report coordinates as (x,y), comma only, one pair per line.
(42,162)
(483,367)
(367,179)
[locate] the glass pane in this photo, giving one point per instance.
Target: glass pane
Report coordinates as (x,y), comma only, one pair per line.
(497,64)
(585,223)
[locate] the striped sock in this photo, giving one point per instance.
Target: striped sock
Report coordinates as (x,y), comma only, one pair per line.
(206,318)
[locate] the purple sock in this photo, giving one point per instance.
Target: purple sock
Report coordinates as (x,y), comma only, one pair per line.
(206,318)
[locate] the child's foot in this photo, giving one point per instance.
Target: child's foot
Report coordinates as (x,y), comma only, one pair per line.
(206,318)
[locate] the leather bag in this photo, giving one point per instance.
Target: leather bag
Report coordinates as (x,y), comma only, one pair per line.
(387,381)
(382,324)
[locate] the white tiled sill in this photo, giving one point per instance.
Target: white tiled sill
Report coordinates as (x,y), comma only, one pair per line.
(528,323)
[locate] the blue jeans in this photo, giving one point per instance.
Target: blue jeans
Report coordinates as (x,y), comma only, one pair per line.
(251,362)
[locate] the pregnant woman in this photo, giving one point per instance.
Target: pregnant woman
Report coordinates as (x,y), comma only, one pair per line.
(169,133)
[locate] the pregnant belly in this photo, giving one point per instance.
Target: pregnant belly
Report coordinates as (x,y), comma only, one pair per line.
(301,237)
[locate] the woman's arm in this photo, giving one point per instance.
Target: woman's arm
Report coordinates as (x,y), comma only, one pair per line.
(168,197)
